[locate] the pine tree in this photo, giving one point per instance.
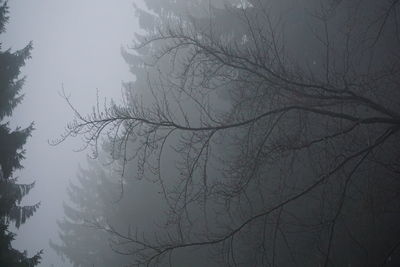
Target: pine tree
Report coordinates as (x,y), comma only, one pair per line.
(11,153)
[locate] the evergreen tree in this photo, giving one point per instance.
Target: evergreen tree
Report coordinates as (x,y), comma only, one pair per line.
(11,153)
(91,205)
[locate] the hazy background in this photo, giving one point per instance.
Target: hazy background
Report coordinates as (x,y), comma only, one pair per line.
(76,43)
(300,191)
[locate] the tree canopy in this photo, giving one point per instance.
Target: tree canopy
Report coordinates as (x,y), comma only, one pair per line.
(270,128)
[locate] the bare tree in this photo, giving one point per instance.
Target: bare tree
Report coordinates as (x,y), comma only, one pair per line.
(282,133)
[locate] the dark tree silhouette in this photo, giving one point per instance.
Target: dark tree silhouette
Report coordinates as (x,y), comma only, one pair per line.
(11,154)
(270,127)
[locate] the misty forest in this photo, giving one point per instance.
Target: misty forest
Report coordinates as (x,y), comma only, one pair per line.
(245,133)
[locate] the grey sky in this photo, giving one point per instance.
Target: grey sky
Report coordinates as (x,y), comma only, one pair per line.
(76,43)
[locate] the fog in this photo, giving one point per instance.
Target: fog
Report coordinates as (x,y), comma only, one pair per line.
(209,133)
(77,45)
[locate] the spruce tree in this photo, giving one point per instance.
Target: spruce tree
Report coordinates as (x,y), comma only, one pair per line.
(92,204)
(12,152)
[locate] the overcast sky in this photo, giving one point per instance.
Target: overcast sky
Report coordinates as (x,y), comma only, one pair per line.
(76,43)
